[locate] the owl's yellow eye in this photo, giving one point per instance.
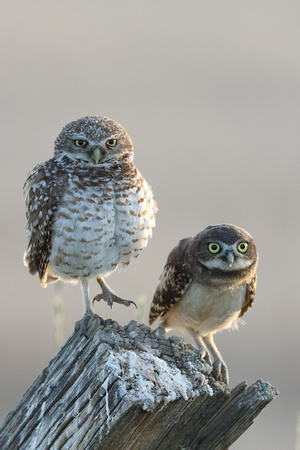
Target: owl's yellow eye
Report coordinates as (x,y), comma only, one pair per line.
(80,143)
(243,247)
(213,247)
(111,142)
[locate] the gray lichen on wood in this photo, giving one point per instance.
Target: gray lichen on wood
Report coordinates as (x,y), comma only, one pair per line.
(130,388)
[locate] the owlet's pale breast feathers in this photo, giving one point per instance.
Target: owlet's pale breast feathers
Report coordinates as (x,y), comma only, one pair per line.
(207,284)
(89,210)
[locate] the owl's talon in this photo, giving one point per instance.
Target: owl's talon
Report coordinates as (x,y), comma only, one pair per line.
(207,358)
(204,356)
(83,332)
(111,298)
(220,371)
(82,326)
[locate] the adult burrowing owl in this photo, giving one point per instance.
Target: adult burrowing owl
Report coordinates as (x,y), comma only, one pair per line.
(89,210)
(207,284)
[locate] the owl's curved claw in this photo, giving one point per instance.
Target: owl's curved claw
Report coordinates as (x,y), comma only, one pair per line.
(204,355)
(111,298)
(83,325)
(220,371)
(80,327)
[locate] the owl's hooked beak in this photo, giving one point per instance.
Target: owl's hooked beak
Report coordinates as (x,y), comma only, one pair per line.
(96,155)
(230,257)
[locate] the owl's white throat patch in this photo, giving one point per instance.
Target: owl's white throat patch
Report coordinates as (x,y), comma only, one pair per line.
(218,263)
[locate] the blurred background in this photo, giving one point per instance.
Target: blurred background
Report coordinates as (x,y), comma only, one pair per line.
(209,92)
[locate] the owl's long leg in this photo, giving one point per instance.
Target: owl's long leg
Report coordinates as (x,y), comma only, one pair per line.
(220,371)
(85,291)
(88,310)
(109,297)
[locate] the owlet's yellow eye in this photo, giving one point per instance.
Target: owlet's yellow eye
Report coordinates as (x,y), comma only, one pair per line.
(243,247)
(80,143)
(213,247)
(111,142)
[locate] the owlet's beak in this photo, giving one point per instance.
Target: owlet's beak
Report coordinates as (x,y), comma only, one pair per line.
(230,258)
(96,155)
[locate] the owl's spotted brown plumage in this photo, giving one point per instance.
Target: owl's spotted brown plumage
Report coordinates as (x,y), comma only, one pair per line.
(89,210)
(207,284)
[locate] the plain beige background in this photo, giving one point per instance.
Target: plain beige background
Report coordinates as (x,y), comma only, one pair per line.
(209,92)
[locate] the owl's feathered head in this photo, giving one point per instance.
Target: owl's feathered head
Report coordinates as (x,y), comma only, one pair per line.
(226,248)
(93,140)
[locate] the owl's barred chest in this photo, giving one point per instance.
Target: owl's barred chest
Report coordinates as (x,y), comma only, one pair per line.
(101,226)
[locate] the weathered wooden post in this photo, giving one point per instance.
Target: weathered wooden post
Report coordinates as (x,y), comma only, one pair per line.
(130,388)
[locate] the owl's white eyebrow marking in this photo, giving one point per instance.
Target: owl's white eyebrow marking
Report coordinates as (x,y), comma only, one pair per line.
(77,136)
(112,136)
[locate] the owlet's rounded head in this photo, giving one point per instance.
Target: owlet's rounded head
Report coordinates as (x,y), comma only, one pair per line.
(93,140)
(225,247)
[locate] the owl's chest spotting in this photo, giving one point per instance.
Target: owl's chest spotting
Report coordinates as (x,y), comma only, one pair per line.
(206,309)
(100,227)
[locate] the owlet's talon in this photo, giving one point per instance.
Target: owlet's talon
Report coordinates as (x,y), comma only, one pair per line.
(204,354)
(207,358)
(220,371)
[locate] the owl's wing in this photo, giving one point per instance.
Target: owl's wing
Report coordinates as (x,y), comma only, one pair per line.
(249,298)
(173,282)
(44,187)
